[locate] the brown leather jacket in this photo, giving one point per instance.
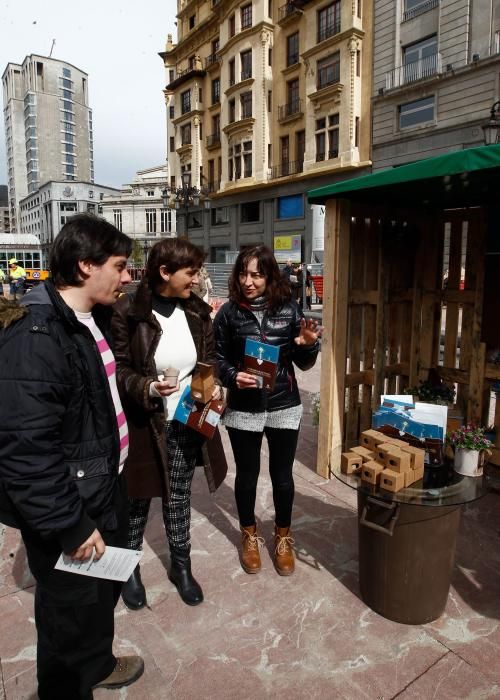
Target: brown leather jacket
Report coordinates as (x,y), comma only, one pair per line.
(136,334)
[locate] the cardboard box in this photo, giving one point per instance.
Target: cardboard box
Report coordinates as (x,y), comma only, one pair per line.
(392,481)
(397,462)
(417,456)
(383,450)
(365,454)
(349,462)
(409,477)
(418,474)
(261,360)
(203,418)
(370,472)
(203,383)
(371,438)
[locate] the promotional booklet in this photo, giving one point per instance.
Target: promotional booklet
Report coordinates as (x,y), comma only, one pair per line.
(261,360)
(201,417)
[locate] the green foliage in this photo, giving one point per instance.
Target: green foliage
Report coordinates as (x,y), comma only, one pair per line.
(469,437)
(432,393)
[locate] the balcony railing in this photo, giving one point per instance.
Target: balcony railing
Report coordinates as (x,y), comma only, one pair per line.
(419,9)
(329,30)
(289,109)
(411,72)
(212,60)
(287,10)
(213,139)
(232,81)
(288,168)
(246,74)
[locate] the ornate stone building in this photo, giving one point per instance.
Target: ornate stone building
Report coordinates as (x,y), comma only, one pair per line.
(264,102)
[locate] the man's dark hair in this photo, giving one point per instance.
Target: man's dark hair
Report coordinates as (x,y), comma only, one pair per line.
(174,254)
(84,238)
(277,288)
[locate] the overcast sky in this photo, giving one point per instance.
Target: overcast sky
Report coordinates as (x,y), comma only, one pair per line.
(117,43)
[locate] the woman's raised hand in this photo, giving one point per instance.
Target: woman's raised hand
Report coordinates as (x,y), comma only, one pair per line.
(310,331)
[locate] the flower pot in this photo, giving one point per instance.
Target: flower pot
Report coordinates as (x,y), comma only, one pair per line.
(467,462)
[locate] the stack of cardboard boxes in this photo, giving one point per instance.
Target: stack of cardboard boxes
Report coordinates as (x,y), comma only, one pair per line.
(390,463)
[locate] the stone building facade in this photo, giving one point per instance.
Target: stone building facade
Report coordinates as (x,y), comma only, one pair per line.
(436,76)
(264,102)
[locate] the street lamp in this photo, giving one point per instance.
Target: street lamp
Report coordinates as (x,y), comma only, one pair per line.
(492,127)
(184,197)
(145,249)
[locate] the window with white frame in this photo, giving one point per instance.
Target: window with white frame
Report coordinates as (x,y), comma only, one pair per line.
(328,70)
(150,220)
(165,221)
(246,16)
(150,193)
(327,137)
(417,113)
(117,218)
(247,159)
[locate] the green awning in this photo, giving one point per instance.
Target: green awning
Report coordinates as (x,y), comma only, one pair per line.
(467,177)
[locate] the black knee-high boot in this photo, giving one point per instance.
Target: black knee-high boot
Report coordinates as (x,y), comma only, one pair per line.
(181,576)
(133,591)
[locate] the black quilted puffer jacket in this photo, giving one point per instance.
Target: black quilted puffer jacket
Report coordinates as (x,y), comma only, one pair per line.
(235,323)
(59,441)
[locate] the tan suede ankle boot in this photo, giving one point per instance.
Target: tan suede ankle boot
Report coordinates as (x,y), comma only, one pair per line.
(250,554)
(284,559)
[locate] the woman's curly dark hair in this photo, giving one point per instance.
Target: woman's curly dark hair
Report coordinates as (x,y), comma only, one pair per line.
(277,288)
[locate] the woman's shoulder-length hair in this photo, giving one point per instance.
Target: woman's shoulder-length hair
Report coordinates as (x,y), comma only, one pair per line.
(277,290)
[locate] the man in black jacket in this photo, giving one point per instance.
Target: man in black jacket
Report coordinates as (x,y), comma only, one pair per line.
(63,441)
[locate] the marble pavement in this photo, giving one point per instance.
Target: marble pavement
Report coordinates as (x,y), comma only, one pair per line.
(303,637)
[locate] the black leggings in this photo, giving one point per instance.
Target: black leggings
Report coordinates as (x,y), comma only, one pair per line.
(246,446)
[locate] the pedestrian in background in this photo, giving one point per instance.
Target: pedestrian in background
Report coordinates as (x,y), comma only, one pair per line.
(17,279)
(203,288)
(164,325)
(63,442)
(260,307)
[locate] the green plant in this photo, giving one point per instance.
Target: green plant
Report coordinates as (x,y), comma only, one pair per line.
(468,437)
(432,393)
(315,408)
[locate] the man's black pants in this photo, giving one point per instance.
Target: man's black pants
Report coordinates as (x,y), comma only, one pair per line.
(74,618)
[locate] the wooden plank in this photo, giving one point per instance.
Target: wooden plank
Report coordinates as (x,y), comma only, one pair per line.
(430,280)
(333,361)
(453,376)
(380,325)
(478,349)
(466,340)
(371,242)
(396,369)
(452,308)
(398,296)
(359,378)
(363,296)
(355,319)
(492,372)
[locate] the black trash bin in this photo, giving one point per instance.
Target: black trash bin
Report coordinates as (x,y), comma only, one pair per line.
(406,555)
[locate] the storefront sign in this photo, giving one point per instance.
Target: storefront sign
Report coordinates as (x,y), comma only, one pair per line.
(288,248)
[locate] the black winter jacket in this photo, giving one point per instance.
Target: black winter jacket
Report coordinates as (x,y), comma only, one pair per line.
(235,323)
(59,440)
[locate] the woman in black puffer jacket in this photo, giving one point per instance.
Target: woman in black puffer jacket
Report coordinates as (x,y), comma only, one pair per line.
(260,308)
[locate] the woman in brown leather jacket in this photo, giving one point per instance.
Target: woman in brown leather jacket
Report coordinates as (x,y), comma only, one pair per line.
(164,325)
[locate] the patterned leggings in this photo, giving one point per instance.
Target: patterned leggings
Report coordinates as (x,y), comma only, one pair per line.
(182,447)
